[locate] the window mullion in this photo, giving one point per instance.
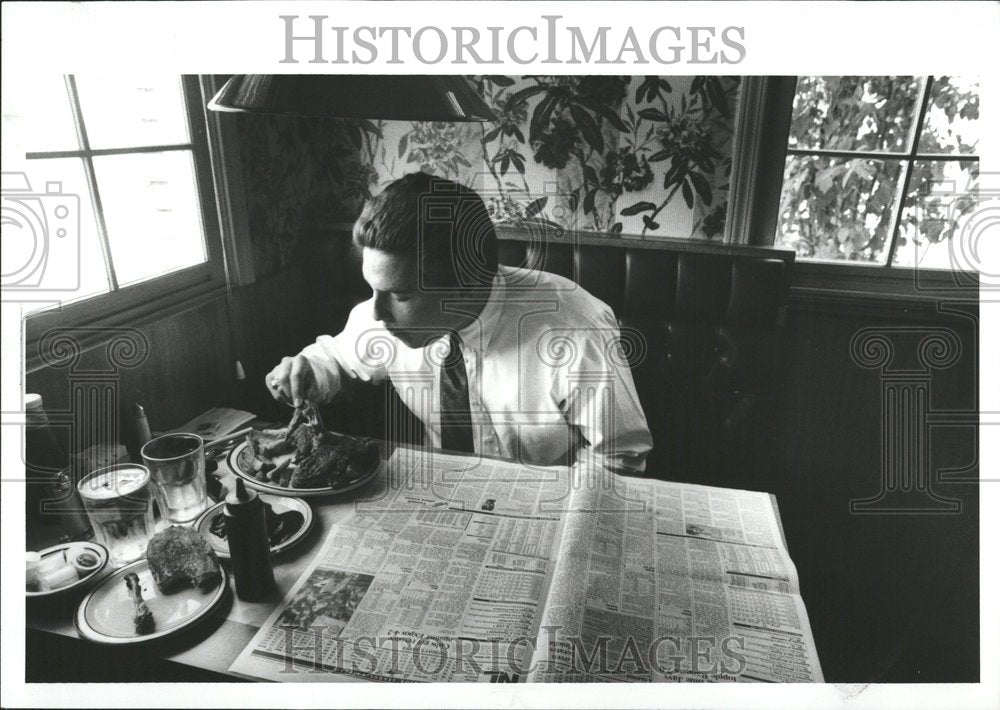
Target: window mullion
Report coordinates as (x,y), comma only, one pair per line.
(111,151)
(95,195)
(760,145)
(847,154)
(903,188)
(822,153)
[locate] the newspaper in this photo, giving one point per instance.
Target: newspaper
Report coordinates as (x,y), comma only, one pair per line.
(676,582)
(441,576)
(463,569)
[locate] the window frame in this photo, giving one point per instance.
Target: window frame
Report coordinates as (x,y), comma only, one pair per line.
(142,302)
(760,152)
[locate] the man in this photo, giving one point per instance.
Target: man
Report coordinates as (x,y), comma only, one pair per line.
(494,360)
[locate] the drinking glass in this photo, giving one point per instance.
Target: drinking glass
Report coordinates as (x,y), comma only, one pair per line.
(120,507)
(177,465)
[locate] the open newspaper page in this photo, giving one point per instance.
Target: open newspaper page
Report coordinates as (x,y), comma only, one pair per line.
(439,576)
(674,582)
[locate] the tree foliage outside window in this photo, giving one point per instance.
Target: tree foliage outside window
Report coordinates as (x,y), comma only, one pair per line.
(853,143)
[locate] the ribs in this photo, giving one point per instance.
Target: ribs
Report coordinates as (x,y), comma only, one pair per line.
(322,458)
(142,617)
(296,437)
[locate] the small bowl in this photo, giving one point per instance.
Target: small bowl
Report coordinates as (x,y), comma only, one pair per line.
(280,504)
(96,549)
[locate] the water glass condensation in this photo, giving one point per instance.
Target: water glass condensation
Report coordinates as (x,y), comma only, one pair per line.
(177,465)
(119,505)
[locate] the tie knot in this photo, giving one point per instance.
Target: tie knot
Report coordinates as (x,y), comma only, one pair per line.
(454,349)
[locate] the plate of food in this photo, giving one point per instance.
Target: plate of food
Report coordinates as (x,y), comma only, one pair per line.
(58,569)
(177,584)
(289,520)
(304,458)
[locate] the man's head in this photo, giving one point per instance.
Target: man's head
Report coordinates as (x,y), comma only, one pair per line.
(427,245)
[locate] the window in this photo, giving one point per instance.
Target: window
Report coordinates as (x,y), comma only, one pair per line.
(879,170)
(121,191)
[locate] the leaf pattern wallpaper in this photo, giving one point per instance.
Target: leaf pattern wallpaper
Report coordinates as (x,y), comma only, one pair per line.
(644,156)
(300,175)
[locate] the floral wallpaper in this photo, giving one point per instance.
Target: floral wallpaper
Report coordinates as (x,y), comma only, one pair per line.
(618,154)
(300,174)
(633,155)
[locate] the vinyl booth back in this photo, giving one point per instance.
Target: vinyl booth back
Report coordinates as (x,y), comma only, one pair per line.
(701,331)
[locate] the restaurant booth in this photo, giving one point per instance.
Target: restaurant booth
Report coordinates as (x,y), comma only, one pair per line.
(757,368)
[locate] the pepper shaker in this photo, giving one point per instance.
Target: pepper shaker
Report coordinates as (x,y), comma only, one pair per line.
(249,549)
(44,458)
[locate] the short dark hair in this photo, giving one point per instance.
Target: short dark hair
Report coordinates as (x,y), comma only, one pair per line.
(443,222)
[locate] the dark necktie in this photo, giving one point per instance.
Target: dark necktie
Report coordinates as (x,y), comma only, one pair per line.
(456,417)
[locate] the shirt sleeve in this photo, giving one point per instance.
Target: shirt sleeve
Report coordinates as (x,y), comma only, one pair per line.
(602,402)
(362,351)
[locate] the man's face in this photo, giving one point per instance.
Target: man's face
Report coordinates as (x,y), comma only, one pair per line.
(413,315)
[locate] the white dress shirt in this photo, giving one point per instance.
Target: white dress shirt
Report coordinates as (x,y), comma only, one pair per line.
(548,383)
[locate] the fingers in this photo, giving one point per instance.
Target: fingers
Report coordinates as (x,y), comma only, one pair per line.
(291,381)
(277,381)
(300,376)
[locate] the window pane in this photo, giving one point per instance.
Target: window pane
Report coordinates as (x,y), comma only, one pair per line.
(151,211)
(935,228)
(853,112)
(36,115)
(123,113)
(45,264)
(952,121)
(837,209)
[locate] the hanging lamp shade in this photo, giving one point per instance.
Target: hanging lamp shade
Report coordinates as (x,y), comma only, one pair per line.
(391,98)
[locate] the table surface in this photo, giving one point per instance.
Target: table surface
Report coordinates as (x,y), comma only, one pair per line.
(214,644)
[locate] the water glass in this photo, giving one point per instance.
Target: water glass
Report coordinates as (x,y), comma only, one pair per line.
(177,465)
(119,505)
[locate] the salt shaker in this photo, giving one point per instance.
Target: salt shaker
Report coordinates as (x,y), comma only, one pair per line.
(249,549)
(141,425)
(141,434)
(64,500)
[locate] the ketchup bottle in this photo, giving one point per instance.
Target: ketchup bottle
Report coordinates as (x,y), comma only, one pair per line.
(44,458)
(249,549)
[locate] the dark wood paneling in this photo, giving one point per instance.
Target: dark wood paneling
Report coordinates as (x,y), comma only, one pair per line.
(285,312)
(188,369)
(891,597)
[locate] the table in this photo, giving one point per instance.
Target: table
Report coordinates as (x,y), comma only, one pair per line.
(210,649)
(55,652)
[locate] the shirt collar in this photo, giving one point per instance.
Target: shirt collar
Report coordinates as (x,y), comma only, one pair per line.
(478,334)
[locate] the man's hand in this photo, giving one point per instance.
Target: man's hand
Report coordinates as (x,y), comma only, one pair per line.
(292,381)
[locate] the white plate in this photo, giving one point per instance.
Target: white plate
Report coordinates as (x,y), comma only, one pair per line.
(105,614)
(280,504)
(241,462)
(96,548)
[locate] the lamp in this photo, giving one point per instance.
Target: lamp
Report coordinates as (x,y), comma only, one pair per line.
(388,97)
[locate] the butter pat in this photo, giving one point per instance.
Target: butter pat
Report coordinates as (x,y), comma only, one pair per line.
(31,560)
(52,562)
(59,577)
